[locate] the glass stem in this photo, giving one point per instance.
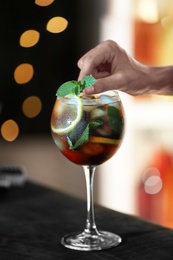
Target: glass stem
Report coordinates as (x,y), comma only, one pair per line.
(90,220)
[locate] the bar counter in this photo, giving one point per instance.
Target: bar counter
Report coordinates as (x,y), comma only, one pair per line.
(33,219)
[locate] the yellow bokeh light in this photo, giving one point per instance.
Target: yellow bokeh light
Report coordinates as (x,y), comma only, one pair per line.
(29,38)
(43,2)
(57,24)
(23,73)
(9,130)
(32,106)
(148,11)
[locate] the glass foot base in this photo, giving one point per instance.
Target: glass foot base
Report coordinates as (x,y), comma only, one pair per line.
(88,242)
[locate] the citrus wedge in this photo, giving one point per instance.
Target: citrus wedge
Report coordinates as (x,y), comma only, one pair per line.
(67,113)
(103,140)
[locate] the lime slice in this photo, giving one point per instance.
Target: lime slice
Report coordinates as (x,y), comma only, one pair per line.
(67,113)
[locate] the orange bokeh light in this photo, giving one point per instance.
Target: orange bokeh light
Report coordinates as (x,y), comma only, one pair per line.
(23,73)
(43,2)
(29,38)
(32,106)
(9,130)
(57,24)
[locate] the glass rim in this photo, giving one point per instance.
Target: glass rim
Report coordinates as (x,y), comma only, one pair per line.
(113,94)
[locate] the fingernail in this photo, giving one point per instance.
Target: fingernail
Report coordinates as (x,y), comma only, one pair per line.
(89,90)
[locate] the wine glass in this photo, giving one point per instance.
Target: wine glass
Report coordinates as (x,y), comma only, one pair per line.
(88,130)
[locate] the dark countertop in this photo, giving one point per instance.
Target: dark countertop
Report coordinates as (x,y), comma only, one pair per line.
(34,218)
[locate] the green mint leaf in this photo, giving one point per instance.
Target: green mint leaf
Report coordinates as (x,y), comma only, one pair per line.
(96,123)
(83,139)
(76,143)
(69,87)
(115,120)
(75,87)
(87,81)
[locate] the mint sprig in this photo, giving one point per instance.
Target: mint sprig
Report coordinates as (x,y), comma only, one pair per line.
(83,139)
(115,120)
(87,81)
(71,138)
(75,87)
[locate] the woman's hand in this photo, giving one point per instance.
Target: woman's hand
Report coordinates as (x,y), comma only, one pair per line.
(115,69)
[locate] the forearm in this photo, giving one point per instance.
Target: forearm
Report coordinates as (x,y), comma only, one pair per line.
(161,80)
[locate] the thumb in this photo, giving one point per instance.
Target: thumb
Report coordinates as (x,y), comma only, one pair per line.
(102,85)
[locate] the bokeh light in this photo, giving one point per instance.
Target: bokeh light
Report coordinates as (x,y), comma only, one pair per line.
(153,185)
(43,2)
(9,130)
(148,11)
(32,106)
(29,38)
(57,24)
(23,73)
(152,180)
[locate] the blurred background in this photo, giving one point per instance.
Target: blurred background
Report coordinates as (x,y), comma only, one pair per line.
(41,42)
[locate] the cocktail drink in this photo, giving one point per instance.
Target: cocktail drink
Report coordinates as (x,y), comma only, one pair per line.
(88,130)
(97,131)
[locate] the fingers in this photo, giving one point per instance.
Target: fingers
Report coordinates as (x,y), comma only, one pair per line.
(101,62)
(93,62)
(86,65)
(85,70)
(114,69)
(102,85)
